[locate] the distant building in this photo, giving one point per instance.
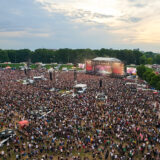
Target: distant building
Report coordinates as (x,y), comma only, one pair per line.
(148,65)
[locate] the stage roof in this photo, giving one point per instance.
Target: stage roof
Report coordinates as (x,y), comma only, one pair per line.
(106,59)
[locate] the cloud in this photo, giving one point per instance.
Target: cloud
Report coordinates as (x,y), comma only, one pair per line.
(74,13)
(80,23)
(17,34)
(116,16)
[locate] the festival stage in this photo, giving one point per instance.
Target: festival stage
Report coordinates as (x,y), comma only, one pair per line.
(105,65)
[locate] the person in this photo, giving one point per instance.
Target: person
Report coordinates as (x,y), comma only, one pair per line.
(106,155)
(63,126)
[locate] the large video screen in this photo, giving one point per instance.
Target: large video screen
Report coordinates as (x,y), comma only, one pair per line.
(89,66)
(103,69)
(131,70)
(81,65)
(118,68)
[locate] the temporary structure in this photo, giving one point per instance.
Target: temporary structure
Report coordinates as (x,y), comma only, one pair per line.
(23,123)
(8,67)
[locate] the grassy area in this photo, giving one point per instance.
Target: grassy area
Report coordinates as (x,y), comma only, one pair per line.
(66,66)
(79,69)
(35,66)
(13,65)
(48,66)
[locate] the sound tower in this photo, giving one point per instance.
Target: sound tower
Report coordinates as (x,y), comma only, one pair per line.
(100,83)
(25,71)
(50,75)
(75,75)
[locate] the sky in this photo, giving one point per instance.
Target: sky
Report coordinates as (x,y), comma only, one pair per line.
(95,24)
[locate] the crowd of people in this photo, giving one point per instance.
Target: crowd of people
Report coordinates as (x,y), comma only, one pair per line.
(125,126)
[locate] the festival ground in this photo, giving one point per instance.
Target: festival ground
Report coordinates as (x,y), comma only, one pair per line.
(125,126)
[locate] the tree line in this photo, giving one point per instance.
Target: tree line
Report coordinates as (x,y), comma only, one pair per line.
(77,55)
(149,76)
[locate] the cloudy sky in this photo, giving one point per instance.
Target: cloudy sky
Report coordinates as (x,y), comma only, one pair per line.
(117,24)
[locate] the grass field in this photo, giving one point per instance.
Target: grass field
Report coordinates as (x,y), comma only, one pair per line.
(13,65)
(35,66)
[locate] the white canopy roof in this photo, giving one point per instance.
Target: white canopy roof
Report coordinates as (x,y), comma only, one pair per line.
(106,59)
(50,70)
(80,86)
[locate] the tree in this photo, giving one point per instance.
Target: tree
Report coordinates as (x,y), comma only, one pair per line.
(17,56)
(80,55)
(158,85)
(3,56)
(141,70)
(43,55)
(137,55)
(149,77)
(143,59)
(11,55)
(149,61)
(154,80)
(22,55)
(146,73)
(157,59)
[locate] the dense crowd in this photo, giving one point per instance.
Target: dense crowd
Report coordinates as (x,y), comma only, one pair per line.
(124,127)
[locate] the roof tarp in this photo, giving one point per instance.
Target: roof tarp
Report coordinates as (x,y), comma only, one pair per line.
(23,123)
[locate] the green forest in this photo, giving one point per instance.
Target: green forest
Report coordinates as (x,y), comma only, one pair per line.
(149,76)
(77,55)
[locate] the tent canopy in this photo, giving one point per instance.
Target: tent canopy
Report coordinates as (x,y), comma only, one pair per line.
(80,86)
(23,123)
(155,92)
(8,67)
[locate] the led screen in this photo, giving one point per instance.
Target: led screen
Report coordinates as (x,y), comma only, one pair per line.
(118,68)
(131,70)
(89,66)
(103,69)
